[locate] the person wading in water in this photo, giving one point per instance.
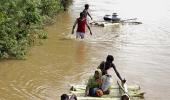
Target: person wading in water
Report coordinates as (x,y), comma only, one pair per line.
(64,3)
(82,23)
(85,11)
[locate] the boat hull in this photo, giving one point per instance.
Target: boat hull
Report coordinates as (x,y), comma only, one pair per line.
(104,23)
(115,93)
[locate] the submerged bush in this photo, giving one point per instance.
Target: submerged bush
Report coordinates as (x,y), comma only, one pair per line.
(21,24)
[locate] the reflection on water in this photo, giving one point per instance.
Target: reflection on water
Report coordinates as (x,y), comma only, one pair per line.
(141,52)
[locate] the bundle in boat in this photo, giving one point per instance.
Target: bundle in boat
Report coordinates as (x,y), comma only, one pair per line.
(112,18)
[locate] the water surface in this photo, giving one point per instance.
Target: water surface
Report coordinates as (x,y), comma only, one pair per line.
(141,52)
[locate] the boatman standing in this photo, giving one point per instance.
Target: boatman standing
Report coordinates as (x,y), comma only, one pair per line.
(106,65)
(82,23)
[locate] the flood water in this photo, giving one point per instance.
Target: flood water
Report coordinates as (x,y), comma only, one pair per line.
(142,52)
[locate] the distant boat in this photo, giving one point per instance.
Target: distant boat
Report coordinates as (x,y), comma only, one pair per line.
(112,18)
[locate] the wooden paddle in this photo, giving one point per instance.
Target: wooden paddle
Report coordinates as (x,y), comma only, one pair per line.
(124,90)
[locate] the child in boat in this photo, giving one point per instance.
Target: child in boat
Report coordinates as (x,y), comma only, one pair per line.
(85,11)
(94,84)
(66,97)
(81,21)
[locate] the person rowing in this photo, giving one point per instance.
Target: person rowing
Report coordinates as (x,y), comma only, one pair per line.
(106,65)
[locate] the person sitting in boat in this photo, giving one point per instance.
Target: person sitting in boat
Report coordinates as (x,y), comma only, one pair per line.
(66,97)
(94,84)
(85,11)
(105,65)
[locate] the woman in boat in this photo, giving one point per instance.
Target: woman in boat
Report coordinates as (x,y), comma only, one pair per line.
(94,83)
(105,65)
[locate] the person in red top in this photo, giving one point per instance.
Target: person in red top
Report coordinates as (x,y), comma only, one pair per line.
(82,23)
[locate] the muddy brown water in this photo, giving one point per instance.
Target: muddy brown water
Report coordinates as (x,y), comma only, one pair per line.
(142,52)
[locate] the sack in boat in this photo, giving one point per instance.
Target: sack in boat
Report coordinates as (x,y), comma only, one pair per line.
(106,83)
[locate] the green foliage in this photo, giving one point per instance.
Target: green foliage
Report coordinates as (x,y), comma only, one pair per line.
(21,24)
(42,35)
(49,7)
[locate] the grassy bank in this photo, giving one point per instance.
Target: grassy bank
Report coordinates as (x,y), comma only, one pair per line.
(21,24)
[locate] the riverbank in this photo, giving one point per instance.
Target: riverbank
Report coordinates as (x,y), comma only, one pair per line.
(21,24)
